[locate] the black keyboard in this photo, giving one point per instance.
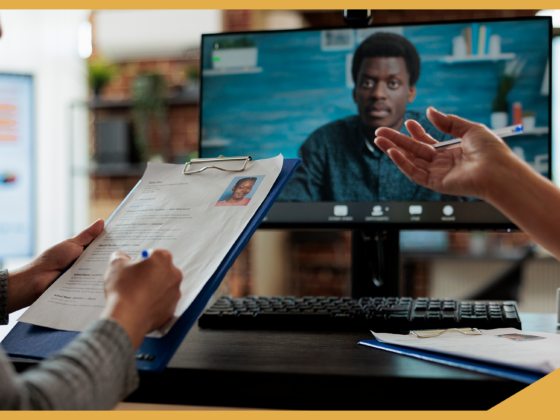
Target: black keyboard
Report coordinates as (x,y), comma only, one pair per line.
(392,314)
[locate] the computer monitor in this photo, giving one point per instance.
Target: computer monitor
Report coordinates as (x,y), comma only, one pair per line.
(320,93)
(17,215)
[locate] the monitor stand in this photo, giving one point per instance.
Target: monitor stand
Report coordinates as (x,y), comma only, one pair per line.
(375,263)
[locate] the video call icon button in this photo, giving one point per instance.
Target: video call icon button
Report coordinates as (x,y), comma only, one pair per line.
(448,210)
(341,210)
(415,209)
(377,211)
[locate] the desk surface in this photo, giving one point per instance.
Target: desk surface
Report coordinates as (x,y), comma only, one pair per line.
(322,370)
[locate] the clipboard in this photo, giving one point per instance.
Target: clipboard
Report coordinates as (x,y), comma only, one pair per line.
(502,371)
(34,342)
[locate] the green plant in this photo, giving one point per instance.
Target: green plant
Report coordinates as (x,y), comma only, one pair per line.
(193,73)
(149,91)
(508,77)
(99,74)
(238,43)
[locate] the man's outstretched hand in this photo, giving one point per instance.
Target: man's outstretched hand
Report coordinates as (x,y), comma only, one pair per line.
(27,283)
(467,170)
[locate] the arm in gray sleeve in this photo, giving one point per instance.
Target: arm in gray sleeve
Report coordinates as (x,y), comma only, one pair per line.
(3,297)
(95,371)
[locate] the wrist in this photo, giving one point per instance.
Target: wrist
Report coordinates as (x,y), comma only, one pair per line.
(499,176)
(22,288)
(127,317)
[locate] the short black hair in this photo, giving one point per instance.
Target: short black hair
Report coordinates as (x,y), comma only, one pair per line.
(385,44)
(242,180)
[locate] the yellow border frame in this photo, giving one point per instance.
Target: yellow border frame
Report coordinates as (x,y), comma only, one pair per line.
(536,401)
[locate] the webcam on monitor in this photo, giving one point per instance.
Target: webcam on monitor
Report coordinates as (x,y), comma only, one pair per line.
(358,18)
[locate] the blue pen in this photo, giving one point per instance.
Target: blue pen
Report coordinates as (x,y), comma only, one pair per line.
(500,132)
(145,254)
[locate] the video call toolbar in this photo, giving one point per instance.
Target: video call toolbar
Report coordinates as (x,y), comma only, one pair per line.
(385,212)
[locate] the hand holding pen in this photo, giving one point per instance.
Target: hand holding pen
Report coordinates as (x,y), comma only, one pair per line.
(141,294)
(467,168)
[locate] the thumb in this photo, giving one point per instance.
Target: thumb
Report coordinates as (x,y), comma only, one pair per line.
(88,234)
(451,124)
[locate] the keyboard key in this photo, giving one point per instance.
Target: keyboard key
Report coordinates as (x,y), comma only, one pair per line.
(473,317)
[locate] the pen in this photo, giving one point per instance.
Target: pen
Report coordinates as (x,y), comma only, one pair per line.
(500,132)
(145,254)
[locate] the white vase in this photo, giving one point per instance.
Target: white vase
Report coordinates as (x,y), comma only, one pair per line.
(459,47)
(529,123)
(498,120)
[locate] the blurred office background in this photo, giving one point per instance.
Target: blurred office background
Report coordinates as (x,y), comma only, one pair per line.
(116,88)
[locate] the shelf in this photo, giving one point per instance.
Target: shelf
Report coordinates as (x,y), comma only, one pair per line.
(188,97)
(216,142)
(118,170)
(450,59)
(513,253)
(227,72)
(537,131)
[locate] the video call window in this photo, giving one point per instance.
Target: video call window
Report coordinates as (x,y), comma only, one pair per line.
(320,95)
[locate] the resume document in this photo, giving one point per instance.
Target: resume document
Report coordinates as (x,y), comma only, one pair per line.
(197,217)
(539,352)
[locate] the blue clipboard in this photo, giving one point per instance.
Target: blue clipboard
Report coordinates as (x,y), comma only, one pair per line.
(503,371)
(31,341)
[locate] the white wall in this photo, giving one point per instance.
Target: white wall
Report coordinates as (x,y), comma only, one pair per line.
(135,34)
(44,43)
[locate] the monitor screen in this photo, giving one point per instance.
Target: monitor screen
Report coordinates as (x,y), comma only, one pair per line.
(16,166)
(320,95)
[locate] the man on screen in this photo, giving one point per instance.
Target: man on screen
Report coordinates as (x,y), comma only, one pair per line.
(340,160)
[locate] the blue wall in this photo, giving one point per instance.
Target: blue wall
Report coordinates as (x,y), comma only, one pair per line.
(302,87)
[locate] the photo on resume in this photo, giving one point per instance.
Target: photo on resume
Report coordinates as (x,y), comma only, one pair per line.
(240,191)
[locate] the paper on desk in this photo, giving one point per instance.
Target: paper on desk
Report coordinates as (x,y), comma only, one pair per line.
(167,210)
(539,352)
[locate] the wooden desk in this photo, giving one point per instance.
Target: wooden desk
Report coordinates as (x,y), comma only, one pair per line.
(299,370)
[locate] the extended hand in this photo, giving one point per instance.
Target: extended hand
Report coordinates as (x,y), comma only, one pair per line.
(27,283)
(463,171)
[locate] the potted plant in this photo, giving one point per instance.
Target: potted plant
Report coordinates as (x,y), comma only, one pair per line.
(232,54)
(100,74)
(149,92)
(508,78)
(192,77)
